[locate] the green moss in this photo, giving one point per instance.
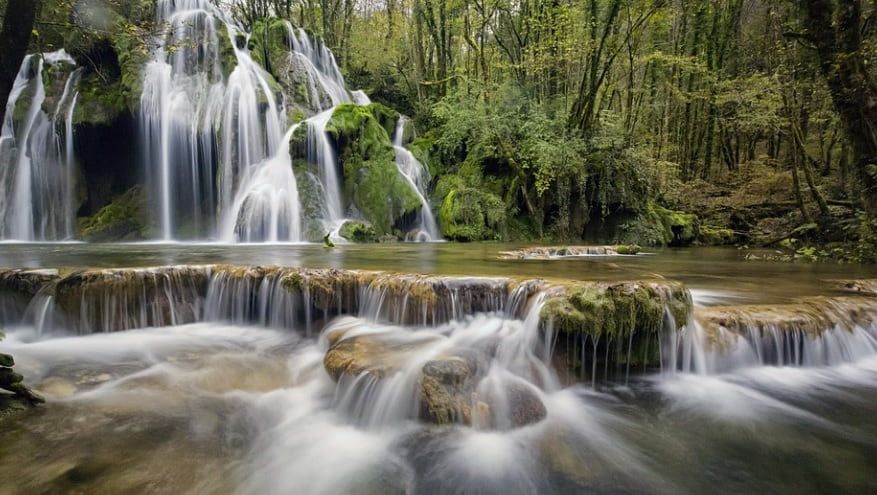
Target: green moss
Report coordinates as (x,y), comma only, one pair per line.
(659,226)
(616,310)
(227,57)
(386,116)
(371,180)
(468,214)
(123,219)
(716,236)
(627,249)
(355,231)
(681,228)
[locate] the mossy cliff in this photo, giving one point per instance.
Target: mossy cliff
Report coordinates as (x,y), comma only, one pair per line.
(372,183)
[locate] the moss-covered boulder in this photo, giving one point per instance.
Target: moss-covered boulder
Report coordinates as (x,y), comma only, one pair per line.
(124,219)
(289,73)
(469,214)
(712,235)
(659,226)
(618,324)
(355,231)
(372,183)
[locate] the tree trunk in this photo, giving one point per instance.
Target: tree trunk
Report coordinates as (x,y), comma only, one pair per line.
(835,28)
(18,21)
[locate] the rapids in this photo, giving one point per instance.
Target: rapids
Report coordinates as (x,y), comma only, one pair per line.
(251,379)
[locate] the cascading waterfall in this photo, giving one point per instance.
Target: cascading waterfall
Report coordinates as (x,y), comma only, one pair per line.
(36,175)
(416,174)
(320,152)
(201,133)
(848,335)
(267,207)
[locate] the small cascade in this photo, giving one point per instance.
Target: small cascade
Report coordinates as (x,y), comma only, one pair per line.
(417,176)
(324,76)
(112,300)
(267,207)
(321,153)
(483,371)
(36,159)
(815,332)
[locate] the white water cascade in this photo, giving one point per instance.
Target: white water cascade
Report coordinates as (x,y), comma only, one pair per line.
(267,206)
(36,157)
(201,132)
(417,176)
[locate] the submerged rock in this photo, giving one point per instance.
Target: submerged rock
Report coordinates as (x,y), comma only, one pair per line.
(862,286)
(552,252)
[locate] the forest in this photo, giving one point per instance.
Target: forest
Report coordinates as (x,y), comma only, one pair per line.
(654,122)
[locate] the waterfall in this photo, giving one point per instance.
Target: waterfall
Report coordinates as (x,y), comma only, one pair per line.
(817,332)
(36,177)
(416,174)
(321,153)
(267,207)
(203,134)
(321,67)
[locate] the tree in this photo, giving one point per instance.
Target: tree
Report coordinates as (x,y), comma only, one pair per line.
(835,29)
(18,22)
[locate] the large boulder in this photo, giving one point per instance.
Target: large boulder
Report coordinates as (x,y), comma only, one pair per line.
(372,183)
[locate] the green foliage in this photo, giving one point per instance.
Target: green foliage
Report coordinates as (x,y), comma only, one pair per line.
(360,232)
(468,214)
(371,180)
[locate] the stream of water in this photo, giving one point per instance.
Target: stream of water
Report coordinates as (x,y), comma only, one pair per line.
(232,403)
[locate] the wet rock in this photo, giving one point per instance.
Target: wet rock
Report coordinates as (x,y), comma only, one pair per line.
(863,286)
(6,360)
(553,252)
(812,315)
(26,283)
(523,405)
(446,391)
(56,387)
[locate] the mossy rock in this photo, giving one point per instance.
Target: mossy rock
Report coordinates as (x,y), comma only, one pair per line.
(310,200)
(659,226)
(681,228)
(468,214)
(617,309)
(113,49)
(355,231)
(716,236)
(124,219)
(372,183)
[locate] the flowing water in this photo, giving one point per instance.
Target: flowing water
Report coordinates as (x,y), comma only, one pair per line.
(234,391)
(418,177)
(36,156)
